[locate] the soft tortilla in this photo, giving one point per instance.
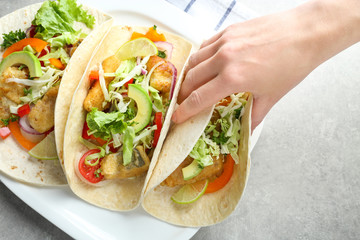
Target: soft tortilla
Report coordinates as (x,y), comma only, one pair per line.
(210,208)
(14,160)
(119,195)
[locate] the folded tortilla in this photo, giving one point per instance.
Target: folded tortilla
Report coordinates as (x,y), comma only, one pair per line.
(119,195)
(211,208)
(14,160)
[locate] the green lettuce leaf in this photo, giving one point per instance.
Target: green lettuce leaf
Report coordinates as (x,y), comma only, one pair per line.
(129,136)
(156,99)
(65,39)
(57,17)
(103,124)
(59,53)
(204,150)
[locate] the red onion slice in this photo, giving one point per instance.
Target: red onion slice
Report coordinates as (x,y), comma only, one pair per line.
(30,32)
(165,46)
(25,126)
(173,80)
(28,132)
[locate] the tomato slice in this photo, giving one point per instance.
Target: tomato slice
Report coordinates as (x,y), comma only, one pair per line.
(85,134)
(128,82)
(224,178)
(158,122)
(23,110)
(93,77)
(88,172)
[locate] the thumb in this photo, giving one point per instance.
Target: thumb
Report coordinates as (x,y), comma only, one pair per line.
(201,98)
(260,108)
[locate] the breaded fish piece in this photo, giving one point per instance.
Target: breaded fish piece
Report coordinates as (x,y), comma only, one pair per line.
(112,167)
(4,114)
(13,91)
(209,172)
(95,97)
(161,76)
(41,116)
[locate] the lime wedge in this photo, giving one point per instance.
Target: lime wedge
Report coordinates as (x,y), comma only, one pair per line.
(190,192)
(138,47)
(46,149)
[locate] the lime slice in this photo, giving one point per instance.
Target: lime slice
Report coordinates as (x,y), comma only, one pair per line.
(46,149)
(138,47)
(190,192)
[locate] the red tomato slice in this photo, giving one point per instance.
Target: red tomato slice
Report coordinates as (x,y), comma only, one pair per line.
(88,172)
(85,131)
(128,82)
(23,110)
(158,122)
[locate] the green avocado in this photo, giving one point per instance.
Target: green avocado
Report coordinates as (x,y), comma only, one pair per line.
(191,170)
(144,106)
(23,57)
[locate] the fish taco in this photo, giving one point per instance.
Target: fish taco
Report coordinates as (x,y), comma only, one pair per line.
(45,49)
(120,114)
(203,166)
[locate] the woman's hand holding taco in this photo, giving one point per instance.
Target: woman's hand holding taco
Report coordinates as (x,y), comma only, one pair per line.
(267,56)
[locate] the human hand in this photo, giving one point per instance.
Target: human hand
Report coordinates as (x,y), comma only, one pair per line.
(266,56)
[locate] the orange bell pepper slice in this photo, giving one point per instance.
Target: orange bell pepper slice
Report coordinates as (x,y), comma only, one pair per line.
(224,178)
(15,130)
(152,34)
(136,35)
(35,43)
(57,63)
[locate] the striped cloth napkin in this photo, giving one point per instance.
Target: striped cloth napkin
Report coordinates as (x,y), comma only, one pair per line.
(215,13)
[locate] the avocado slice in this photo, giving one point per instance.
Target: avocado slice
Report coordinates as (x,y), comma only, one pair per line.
(23,57)
(144,106)
(191,170)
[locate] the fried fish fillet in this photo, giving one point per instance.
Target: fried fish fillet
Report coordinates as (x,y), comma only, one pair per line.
(162,75)
(210,172)
(41,116)
(95,97)
(112,167)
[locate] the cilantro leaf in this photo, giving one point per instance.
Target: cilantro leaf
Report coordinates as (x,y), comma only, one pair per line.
(161,54)
(5,122)
(12,118)
(221,139)
(12,37)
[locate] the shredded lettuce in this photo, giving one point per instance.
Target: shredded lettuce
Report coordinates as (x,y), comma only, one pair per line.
(129,136)
(145,137)
(57,17)
(66,38)
(59,53)
(204,150)
(158,105)
(221,136)
(41,85)
(104,125)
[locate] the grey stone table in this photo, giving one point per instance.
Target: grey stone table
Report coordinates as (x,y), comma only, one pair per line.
(304,179)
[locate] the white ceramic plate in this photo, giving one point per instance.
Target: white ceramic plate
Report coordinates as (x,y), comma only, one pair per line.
(80,219)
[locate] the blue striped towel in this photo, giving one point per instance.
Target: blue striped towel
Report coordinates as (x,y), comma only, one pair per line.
(215,13)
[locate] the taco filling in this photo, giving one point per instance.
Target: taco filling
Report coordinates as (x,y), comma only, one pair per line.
(32,68)
(126,105)
(214,154)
